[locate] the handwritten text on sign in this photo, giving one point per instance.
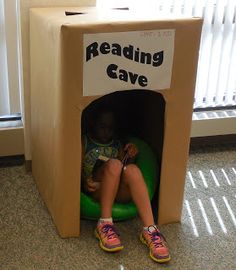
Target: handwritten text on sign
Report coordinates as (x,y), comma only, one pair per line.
(127,60)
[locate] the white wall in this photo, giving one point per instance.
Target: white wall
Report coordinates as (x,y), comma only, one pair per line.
(25,5)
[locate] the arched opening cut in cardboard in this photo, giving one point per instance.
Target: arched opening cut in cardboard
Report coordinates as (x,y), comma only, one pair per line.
(139,113)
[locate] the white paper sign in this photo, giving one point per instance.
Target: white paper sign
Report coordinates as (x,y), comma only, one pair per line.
(127,60)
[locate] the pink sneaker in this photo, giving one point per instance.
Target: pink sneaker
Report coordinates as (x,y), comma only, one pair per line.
(156,242)
(108,237)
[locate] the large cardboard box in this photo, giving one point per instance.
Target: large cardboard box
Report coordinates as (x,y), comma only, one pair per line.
(146,68)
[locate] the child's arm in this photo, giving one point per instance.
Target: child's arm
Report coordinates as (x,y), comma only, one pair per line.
(128,153)
(87,183)
(90,185)
(131,149)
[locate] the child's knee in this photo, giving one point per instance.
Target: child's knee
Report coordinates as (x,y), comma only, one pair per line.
(132,172)
(113,166)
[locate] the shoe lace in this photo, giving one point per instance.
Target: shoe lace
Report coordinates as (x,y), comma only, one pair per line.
(156,237)
(109,231)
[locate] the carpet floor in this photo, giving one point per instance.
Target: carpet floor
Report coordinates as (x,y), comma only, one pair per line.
(205,239)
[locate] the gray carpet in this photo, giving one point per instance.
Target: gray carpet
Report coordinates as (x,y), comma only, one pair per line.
(205,239)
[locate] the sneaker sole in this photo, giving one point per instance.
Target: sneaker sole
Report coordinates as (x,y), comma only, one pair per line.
(105,248)
(160,260)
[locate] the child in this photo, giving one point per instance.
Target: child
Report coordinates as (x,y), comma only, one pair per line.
(107,179)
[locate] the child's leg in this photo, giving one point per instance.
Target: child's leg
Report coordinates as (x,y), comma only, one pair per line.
(109,176)
(134,186)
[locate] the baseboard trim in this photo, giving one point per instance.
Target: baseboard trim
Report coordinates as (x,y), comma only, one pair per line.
(28,165)
(216,142)
(11,161)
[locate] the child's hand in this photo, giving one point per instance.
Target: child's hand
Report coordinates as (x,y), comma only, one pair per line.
(90,185)
(131,150)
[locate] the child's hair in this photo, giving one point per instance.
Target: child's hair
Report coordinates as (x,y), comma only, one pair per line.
(95,112)
(99,110)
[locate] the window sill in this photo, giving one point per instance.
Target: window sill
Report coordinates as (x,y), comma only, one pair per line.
(213,123)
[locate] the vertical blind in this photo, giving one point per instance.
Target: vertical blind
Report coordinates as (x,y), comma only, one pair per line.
(216,78)
(9,55)
(4,97)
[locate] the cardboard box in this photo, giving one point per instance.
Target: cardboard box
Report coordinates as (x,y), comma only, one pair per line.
(146,68)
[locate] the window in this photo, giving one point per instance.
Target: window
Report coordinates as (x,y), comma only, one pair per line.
(11,130)
(216,80)
(9,55)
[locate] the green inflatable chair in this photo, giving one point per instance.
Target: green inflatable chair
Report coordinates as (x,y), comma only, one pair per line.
(147,162)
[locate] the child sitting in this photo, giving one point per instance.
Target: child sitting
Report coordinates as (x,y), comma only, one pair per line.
(109,174)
